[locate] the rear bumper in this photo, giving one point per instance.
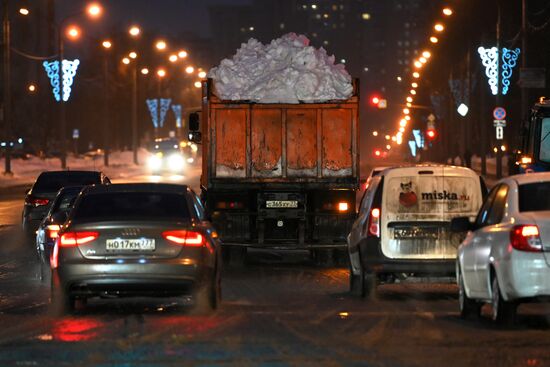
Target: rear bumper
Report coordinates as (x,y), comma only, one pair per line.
(373,260)
(170,277)
(524,275)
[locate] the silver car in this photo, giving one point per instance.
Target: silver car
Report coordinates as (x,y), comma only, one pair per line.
(505,259)
(136,239)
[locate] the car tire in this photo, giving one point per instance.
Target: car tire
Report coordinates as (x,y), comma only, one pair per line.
(502,311)
(207,298)
(467,306)
(60,302)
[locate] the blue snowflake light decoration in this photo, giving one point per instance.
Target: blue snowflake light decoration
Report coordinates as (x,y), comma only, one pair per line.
(489,59)
(509,61)
(164,106)
(176,108)
(152,105)
(61,90)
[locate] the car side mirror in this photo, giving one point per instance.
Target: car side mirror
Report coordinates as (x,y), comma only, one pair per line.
(194,124)
(60,217)
(461,224)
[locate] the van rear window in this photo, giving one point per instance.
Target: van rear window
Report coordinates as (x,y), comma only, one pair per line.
(432,194)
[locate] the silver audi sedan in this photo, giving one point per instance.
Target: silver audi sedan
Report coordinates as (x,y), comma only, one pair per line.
(505,259)
(136,240)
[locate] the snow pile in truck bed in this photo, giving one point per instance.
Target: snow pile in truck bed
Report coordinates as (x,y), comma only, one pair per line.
(287,70)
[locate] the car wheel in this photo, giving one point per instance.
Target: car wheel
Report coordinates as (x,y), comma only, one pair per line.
(502,312)
(207,298)
(356,286)
(468,307)
(60,302)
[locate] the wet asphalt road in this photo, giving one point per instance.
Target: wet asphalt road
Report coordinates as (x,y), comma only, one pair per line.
(278,310)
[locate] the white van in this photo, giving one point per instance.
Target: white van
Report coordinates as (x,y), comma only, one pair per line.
(403,226)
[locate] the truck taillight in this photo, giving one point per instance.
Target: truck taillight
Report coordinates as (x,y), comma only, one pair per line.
(229,205)
(374,223)
(343,206)
(526,238)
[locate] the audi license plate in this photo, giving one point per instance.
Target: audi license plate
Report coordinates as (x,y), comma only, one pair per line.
(134,244)
(281,204)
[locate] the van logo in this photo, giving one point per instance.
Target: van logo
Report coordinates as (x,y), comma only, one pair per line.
(444,195)
(131,232)
(407,197)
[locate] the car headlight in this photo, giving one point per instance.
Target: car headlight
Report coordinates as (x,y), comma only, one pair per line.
(175,162)
(190,160)
(155,162)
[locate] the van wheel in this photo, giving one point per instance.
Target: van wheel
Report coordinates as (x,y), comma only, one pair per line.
(370,282)
(468,307)
(502,312)
(356,287)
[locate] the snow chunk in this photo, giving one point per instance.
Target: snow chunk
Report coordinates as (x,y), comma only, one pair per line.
(287,70)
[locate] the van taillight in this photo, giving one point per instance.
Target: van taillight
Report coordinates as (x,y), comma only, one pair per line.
(34,201)
(71,239)
(374,223)
(526,238)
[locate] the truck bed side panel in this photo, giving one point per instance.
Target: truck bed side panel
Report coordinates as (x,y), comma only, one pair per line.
(337,142)
(301,142)
(230,142)
(266,144)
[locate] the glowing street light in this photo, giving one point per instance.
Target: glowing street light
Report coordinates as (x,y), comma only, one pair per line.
(408,118)
(198,84)
(375,133)
(132,55)
(145,71)
(403,123)
(417,64)
(94,10)
(387,137)
(413,92)
(202,74)
(182,54)
(439,27)
(406,111)
(161,73)
(134,31)
(426,54)
(125,61)
(409,104)
(409,99)
(24,11)
(447,11)
(414,85)
(189,70)
(73,32)
(416,75)
(173,58)
(423,60)
(32,88)
(433,39)
(107,44)
(160,45)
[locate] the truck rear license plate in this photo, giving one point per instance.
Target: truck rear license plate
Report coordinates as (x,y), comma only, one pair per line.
(281,204)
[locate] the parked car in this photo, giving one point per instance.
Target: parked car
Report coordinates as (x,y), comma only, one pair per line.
(39,198)
(505,259)
(403,226)
(47,231)
(136,239)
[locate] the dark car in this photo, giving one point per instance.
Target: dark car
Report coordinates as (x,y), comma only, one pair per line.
(47,231)
(136,240)
(39,198)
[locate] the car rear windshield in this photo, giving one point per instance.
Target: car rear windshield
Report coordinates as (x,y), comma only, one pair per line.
(534,197)
(65,200)
(52,182)
(131,206)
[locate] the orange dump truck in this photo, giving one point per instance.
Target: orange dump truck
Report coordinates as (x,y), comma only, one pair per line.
(280,175)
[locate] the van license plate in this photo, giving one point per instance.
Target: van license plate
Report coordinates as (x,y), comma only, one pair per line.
(416,233)
(281,204)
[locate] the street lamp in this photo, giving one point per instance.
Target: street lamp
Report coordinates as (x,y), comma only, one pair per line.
(433,39)
(24,11)
(32,88)
(202,74)
(447,11)
(132,55)
(189,70)
(107,44)
(134,31)
(439,27)
(145,71)
(182,54)
(160,45)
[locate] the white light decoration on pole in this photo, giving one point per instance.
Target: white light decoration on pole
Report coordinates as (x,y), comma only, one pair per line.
(61,89)
(490,58)
(462,110)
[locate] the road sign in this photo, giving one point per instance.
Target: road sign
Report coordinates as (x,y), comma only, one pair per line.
(499,123)
(500,132)
(499,113)
(76,133)
(431,117)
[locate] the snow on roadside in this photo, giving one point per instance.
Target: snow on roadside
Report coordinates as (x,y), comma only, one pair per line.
(121,166)
(288,70)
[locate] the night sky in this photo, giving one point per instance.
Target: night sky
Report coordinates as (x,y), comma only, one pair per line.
(165,17)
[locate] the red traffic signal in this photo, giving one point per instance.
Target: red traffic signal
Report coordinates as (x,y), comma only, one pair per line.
(431,134)
(375,100)
(377,152)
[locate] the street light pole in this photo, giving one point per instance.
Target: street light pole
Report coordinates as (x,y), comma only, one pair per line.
(134,113)
(62,112)
(7,89)
(106,124)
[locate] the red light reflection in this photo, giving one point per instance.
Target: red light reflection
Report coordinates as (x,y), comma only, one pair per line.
(76,330)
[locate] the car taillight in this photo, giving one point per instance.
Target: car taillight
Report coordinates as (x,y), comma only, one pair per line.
(71,239)
(185,238)
(374,223)
(52,230)
(34,201)
(526,238)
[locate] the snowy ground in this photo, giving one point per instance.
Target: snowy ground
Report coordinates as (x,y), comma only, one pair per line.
(121,169)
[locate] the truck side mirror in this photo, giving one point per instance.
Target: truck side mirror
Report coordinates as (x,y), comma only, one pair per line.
(195,136)
(194,124)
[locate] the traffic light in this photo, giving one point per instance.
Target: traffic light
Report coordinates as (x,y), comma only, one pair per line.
(377,153)
(431,134)
(378,102)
